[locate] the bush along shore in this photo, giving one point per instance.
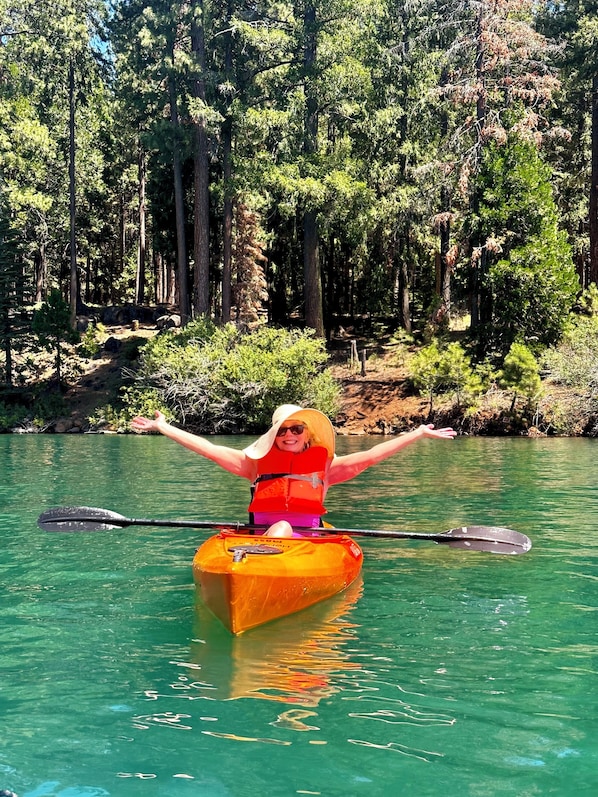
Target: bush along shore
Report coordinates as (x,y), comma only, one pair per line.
(219,379)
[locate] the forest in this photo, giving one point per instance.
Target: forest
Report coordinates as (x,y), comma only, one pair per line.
(301,163)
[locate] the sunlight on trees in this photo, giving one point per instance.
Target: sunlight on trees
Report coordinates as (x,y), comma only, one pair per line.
(317,165)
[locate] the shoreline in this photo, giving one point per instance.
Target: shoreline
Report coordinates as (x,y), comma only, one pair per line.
(376,401)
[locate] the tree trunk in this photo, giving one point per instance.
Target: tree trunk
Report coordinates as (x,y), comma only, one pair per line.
(474,296)
(141,251)
(227,220)
(88,267)
(171,282)
(159,277)
(6,335)
(593,210)
(227,243)
(403,289)
(179,202)
(311,273)
(478,276)
(41,274)
(331,292)
(122,248)
(311,259)
(480,66)
(446,267)
(72,198)
(201,205)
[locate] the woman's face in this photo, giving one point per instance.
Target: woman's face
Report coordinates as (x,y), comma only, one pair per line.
(292,436)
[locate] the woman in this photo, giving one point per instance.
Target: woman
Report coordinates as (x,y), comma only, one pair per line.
(292,465)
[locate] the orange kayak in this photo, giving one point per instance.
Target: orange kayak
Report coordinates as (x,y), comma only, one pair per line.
(247,580)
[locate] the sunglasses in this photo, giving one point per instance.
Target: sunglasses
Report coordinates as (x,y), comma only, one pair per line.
(296,428)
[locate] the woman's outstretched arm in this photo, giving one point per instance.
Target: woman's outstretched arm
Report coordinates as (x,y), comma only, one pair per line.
(347,467)
(231,459)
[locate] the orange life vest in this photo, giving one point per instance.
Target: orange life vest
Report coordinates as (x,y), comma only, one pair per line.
(288,482)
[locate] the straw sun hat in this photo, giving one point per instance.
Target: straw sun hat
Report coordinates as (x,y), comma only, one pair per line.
(321,430)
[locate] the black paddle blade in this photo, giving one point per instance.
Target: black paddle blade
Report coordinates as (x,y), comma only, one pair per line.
(80,518)
(492,539)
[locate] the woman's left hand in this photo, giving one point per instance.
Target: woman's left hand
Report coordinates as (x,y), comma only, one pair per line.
(428,430)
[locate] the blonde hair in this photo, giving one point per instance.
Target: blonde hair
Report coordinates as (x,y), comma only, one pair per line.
(312,439)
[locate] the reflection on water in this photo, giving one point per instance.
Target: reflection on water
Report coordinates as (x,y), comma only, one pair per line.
(290,661)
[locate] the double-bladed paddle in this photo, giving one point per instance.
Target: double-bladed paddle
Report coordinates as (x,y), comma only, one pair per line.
(472,538)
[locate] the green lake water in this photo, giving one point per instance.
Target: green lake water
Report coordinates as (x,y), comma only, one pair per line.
(443,672)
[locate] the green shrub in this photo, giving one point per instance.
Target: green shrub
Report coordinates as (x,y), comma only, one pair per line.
(435,369)
(219,379)
(134,401)
(51,324)
(574,361)
(588,301)
(90,345)
(11,416)
(520,373)
(47,406)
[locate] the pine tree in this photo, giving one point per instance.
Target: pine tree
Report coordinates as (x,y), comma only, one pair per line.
(529,279)
(249,281)
(12,292)
(497,82)
(52,325)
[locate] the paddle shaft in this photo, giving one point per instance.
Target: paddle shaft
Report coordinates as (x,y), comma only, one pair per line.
(491,538)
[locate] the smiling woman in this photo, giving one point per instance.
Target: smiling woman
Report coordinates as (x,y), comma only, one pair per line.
(291,461)
(292,465)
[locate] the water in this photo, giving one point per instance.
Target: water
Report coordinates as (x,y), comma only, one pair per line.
(442,672)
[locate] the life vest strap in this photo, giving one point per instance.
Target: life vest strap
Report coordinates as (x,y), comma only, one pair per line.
(302,477)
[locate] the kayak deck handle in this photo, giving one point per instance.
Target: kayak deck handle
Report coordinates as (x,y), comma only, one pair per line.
(240,552)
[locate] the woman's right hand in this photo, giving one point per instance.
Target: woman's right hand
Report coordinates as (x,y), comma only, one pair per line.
(141,424)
